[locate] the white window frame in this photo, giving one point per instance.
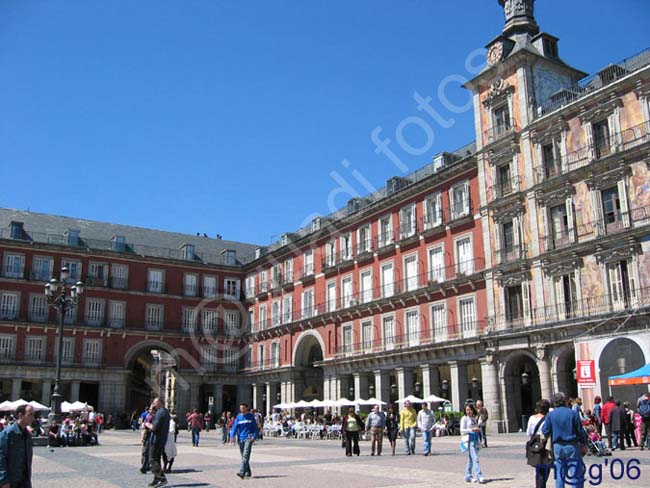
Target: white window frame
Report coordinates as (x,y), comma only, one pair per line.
(364,245)
(97,273)
(347,300)
(9,305)
(155,285)
(263,317)
(209,357)
(465,267)
(347,337)
(387,289)
(431,221)
(439,329)
(365,294)
(39,310)
(308,260)
(330,253)
(407,221)
(95,311)
(211,286)
(346,246)
(38,273)
(116,320)
(13,265)
(7,347)
(67,350)
(35,349)
(209,320)
(190,284)
(437,273)
(412,336)
(92,352)
(367,340)
(410,282)
(307,307)
(75,268)
(287,311)
(231,322)
(275,354)
(388,341)
(120,276)
(288,270)
(331,299)
(276,313)
(385,236)
(455,211)
(468,328)
(188,319)
(150,315)
(231,287)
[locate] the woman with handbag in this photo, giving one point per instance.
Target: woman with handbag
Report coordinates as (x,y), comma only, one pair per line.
(470,431)
(351,425)
(535,423)
(392,427)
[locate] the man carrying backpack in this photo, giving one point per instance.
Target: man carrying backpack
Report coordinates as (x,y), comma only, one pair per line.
(644,411)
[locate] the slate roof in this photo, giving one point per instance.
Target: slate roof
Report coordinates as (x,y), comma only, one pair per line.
(39,227)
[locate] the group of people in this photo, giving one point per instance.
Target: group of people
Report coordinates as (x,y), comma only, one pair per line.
(73,431)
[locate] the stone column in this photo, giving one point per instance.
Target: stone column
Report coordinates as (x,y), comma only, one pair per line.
(74,391)
(217,393)
(491,396)
(46,388)
(326,388)
(430,380)
(256,401)
(269,400)
(360,386)
(404,382)
(544,367)
(16,388)
(458,372)
(382,385)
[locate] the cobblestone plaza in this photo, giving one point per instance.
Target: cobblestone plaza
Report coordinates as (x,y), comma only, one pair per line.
(313,463)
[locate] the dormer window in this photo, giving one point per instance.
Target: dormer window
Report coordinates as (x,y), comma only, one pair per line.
(316,224)
(230,257)
(284,239)
(258,252)
(72,237)
(118,243)
(550,48)
(16,230)
(188,252)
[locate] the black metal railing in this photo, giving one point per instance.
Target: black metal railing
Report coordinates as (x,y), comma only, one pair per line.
(459,211)
(507,187)
(557,240)
(510,254)
(499,131)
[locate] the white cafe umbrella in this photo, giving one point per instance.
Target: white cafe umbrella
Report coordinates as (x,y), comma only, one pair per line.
(328,403)
(410,398)
(5,406)
(282,406)
(38,407)
(434,399)
(371,401)
(80,407)
(341,402)
(302,404)
(65,407)
(17,403)
(316,403)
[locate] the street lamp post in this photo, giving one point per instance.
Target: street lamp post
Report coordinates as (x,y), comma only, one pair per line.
(61,297)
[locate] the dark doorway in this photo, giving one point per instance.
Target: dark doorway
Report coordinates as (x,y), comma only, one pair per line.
(89,393)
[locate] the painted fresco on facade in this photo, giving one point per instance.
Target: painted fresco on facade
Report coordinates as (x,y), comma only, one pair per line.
(575,136)
(639,193)
(644,264)
(631,115)
(584,215)
(591,279)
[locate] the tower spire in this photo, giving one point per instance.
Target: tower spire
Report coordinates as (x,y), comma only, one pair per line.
(520,17)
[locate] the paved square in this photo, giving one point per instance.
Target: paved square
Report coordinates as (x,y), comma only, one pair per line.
(309,463)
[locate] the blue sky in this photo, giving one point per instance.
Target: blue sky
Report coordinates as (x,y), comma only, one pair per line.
(234,117)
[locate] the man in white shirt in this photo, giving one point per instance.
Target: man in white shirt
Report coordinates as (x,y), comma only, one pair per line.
(426,420)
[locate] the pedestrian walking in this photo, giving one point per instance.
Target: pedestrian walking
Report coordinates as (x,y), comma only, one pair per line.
(597,412)
(564,427)
(606,410)
(407,424)
(351,425)
(644,411)
(482,421)
(244,430)
(426,420)
(470,431)
(16,451)
(392,428)
(195,423)
(630,438)
(223,423)
(145,440)
(170,451)
(375,423)
(535,424)
(159,427)
(618,420)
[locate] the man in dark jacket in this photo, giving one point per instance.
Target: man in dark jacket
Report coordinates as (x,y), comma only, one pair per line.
(16,451)
(618,423)
(159,429)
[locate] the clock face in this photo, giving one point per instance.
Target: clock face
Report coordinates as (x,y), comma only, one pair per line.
(495,54)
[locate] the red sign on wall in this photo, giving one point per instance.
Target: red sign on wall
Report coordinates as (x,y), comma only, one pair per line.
(586,373)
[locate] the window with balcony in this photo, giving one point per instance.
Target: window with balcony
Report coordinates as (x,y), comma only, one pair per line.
(307,303)
(408,224)
(42,268)
(347,338)
(153,319)
(288,270)
(119,276)
(622,284)
(7,347)
(188,319)
(275,313)
(346,292)
(611,206)
(287,309)
(70,315)
(231,322)
(331,296)
(260,355)
(367,335)
(262,325)
(514,303)
(231,358)
(250,286)
(210,286)
(601,136)
(74,268)
(38,308)
(264,285)
(467,315)
(504,181)
(437,264)
(97,274)
(439,321)
(9,302)
(94,311)
(566,298)
(561,232)
(116,314)
(309,262)
(411,272)
(385,230)
(412,319)
(330,254)
(276,276)
(508,245)
(67,353)
(209,357)
(35,349)
(501,120)
(14,265)
(92,352)
(464,256)
(275,354)
(346,246)
(364,239)
(387,280)
(365,286)
(190,285)
(388,331)
(231,288)
(252,326)
(433,211)
(459,201)
(550,161)
(155,281)
(209,320)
